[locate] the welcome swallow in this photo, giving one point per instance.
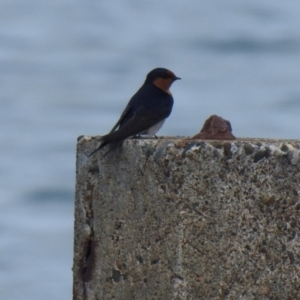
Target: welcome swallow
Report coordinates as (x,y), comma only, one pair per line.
(145,112)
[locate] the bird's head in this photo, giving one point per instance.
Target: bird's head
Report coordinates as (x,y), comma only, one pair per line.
(162,78)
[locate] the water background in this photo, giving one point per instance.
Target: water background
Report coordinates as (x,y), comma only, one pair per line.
(68,68)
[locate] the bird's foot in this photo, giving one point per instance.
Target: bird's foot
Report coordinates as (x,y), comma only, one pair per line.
(137,136)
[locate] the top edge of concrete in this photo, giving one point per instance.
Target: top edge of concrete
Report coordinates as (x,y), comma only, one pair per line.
(187,138)
(258,148)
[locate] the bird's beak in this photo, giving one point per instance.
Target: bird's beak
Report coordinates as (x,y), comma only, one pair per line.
(176,78)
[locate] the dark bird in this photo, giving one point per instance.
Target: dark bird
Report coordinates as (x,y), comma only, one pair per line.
(145,112)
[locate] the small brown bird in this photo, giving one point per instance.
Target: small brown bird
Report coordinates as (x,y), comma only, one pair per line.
(146,111)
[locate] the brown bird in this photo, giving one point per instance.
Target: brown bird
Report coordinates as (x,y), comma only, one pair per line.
(146,111)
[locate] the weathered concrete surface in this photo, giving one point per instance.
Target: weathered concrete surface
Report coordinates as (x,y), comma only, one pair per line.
(180,219)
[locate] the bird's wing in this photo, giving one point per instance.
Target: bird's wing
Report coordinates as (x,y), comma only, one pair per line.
(140,98)
(126,112)
(129,109)
(145,109)
(141,121)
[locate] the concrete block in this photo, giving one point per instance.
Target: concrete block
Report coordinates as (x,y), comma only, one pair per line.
(188,219)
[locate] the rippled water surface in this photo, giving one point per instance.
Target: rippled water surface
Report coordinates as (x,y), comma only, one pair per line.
(69,67)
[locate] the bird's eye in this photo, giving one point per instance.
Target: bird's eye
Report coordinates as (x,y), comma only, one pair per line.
(164,75)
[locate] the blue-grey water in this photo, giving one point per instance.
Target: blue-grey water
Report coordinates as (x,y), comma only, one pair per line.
(68,68)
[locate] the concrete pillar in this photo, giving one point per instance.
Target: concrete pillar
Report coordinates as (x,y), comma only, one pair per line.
(188,219)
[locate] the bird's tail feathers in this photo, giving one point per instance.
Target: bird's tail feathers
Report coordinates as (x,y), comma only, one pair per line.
(113,146)
(102,144)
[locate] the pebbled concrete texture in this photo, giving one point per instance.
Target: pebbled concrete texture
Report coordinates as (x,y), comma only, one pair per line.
(175,218)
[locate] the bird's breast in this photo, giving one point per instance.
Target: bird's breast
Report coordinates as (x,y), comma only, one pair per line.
(152,130)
